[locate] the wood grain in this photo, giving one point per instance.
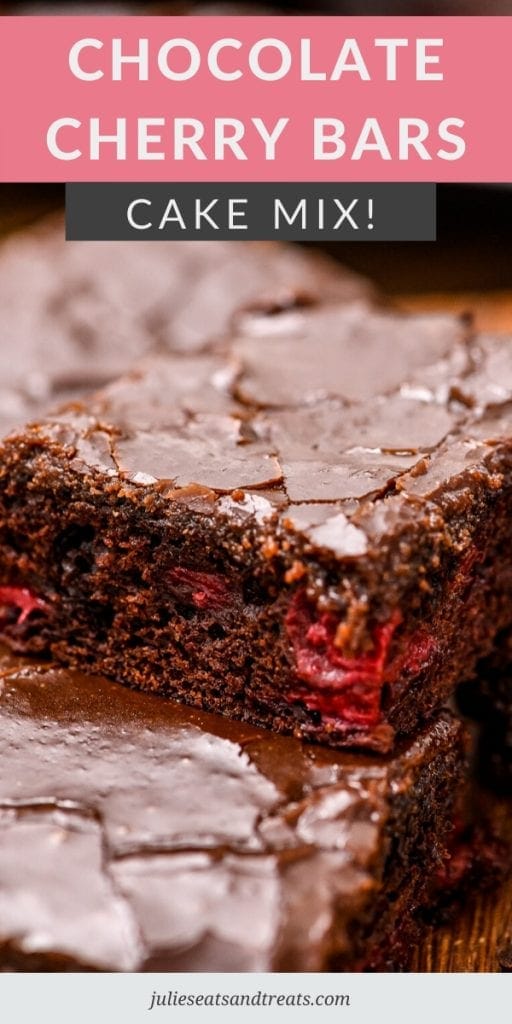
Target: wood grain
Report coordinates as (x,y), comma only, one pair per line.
(481,925)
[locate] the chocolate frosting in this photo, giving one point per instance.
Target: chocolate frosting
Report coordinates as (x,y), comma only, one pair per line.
(360,410)
(355,353)
(309,396)
(274,409)
(137,834)
(96,307)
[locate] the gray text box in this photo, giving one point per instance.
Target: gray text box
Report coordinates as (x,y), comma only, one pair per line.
(124,211)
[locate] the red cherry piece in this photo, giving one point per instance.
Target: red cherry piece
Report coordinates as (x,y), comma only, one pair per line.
(205,590)
(344,688)
(23,599)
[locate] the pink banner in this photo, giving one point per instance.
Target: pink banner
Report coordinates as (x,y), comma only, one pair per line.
(255,99)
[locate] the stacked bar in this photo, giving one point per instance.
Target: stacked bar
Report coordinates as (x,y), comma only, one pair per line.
(307,531)
(284,513)
(136,834)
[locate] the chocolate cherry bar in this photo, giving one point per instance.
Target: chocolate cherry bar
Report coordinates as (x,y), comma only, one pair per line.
(137,834)
(95,307)
(308,531)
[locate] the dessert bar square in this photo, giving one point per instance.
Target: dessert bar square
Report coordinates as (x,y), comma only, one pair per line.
(137,834)
(307,528)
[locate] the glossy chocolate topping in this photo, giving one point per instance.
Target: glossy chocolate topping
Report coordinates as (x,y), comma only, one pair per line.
(330,404)
(339,405)
(76,314)
(138,834)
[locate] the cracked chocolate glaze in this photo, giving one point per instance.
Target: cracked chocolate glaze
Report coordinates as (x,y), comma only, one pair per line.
(142,299)
(187,424)
(139,834)
(187,420)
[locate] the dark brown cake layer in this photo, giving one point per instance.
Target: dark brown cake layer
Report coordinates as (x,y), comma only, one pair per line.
(137,834)
(307,530)
(75,315)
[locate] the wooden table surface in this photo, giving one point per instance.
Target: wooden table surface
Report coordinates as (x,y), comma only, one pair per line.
(483,923)
(479,926)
